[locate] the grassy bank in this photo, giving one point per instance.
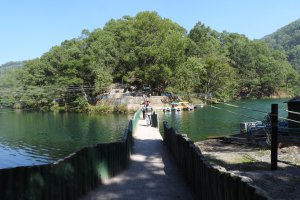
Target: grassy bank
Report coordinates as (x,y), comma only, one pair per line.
(93,109)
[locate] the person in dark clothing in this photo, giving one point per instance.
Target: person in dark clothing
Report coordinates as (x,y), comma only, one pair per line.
(144,112)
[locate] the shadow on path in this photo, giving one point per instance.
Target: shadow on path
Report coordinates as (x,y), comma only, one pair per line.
(152,173)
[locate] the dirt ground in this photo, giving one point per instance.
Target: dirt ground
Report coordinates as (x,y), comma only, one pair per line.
(253,163)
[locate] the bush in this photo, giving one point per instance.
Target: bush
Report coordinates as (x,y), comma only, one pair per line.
(57,108)
(120,108)
(17,106)
(101,108)
(80,104)
(54,107)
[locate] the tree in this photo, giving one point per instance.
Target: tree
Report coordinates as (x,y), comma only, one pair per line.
(9,87)
(287,39)
(148,44)
(219,78)
(148,49)
(103,78)
(188,76)
(206,39)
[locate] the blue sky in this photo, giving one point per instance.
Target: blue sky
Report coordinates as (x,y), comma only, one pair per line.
(30,28)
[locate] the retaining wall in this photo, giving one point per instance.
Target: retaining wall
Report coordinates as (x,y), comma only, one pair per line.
(72,176)
(206,181)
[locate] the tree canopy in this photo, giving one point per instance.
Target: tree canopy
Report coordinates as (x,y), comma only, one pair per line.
(287,39)
(148,49)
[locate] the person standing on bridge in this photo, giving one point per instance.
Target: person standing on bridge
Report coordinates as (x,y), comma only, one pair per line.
(144,112)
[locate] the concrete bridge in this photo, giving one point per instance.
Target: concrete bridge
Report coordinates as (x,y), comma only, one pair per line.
(152,173)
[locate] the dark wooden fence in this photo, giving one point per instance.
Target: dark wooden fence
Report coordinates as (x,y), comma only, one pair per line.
(207,182)
(70,177)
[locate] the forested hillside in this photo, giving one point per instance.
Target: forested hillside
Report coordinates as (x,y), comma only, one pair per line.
(147,49)
(10,65)
(287,39)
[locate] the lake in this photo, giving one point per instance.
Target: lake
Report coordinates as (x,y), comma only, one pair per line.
(201,123)
(32,138)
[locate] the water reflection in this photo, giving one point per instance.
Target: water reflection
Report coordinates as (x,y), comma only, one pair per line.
(207,121)
(28,138)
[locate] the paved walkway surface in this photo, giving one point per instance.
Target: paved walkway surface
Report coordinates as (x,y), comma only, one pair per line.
(152,174)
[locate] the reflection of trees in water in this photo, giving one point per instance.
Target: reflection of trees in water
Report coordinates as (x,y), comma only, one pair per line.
(51,136)
(208,121)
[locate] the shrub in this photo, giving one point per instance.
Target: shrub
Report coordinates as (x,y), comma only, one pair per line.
(101,108)
(120,108)
(80,104)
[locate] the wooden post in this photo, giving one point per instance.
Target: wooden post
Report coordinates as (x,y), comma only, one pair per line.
(274,136)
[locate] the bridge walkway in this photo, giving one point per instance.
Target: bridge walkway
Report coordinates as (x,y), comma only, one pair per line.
(152,173)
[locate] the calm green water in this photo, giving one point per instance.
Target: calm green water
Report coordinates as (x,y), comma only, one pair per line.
(29,138)
(207,121)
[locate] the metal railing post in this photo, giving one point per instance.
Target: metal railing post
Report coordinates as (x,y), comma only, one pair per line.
(274,136)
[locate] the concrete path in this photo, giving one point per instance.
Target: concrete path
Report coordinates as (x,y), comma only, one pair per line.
(152,174)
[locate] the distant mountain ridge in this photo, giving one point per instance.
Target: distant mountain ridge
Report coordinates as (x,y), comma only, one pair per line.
(10,65)
(287,39)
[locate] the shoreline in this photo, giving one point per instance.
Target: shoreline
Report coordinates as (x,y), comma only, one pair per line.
(130,105)
(253,164)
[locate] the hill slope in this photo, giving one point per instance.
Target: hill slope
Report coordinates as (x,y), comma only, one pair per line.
(287,39)
(10,65)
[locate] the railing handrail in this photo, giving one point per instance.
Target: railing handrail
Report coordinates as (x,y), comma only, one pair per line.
(84,168)
(208,182)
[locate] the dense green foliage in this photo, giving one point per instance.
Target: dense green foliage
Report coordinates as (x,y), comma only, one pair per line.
(10,65)
(147,49)
(287,39)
